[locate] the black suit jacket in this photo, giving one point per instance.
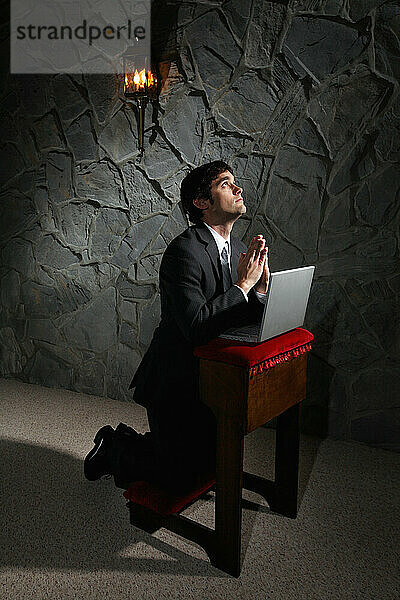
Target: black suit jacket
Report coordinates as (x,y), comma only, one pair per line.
(194,310)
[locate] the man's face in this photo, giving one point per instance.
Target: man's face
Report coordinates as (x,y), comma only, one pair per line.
(227,202)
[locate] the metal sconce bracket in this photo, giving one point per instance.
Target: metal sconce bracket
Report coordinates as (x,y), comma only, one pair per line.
(139,86)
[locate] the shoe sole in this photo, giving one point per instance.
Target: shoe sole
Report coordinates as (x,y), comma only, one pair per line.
(98,441)
(102,432)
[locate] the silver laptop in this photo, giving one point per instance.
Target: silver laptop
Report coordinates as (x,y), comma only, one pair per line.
(286,304)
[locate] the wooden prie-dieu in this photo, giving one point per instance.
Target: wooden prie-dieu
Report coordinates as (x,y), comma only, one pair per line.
(245,385)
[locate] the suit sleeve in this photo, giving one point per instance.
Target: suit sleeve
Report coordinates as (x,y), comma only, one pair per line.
(198,319)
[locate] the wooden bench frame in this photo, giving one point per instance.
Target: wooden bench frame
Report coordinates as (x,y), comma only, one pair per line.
(241,404)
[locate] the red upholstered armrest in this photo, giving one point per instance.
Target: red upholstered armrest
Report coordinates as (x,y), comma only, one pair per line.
(257,356)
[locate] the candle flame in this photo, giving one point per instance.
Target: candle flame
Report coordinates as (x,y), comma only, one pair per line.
(139,81)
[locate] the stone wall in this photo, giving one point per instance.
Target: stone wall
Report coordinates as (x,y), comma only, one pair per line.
(301,98)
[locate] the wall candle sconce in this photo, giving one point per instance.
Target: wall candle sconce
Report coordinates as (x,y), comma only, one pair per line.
(142,87)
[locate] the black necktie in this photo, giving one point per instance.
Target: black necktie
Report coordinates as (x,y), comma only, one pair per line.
(226,272)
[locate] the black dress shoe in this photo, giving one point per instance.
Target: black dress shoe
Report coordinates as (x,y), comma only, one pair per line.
(135,458)
(99,460)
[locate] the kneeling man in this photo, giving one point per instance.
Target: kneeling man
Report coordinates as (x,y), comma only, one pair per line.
(208,283)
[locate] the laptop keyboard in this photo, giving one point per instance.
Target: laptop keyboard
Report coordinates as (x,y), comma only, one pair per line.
(249,333)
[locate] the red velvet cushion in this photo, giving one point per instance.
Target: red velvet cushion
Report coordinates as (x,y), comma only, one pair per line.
(155,498)
(257,356)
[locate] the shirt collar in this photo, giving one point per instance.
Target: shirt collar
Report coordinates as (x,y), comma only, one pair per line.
(219,240)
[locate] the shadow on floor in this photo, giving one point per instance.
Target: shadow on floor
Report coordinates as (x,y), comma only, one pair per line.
(259,458)
(51,517)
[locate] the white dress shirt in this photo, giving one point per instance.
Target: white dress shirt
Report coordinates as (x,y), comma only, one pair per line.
(223,243)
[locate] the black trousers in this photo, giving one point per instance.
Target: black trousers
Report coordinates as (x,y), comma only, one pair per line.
(178,451)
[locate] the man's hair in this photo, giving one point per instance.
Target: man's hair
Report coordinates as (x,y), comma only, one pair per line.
(197,184)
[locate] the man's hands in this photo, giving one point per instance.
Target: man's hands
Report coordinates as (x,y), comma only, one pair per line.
(262,284)
(253,267)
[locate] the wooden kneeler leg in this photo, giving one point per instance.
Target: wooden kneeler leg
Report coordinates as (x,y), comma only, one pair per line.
(287,462)
(228,497)
(281,494)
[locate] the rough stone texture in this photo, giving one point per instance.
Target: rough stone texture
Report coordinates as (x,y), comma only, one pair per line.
(250,174)
(17,214)
(387,39)
(286,114)
(109,227)
(119,139)
(301,97)
(247,106)
(58,173)
(294,196)
(130,290)
(143,195)
(266,29)
(306,138)
(182,125)
(387,144)
(215,59)
(383,376)
(127,311)
(136,240)
(320,47)
(34,93)
(327,7)
(47,134)
(12,157)
(357,166)
(60,296)
(237,13)
(49,252)
(82,330)
(377,201)
(12,360)
(91,279)
(361,8)
(377,429)
(149,267)
(39,300)
(216,145)
(103,94)
(149,320)
(10,290)
(44,330)
(89,377)
(127,335)
(69,102)
(101,183)
(54,371)
(159,161)
(73,224)
(17,254)
(345,108)
(122,362)
(81,140)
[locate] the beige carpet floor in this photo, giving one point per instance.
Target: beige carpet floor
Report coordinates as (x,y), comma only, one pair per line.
(63,537)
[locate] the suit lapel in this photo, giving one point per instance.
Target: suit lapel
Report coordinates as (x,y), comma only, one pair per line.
(235,255)
(211,248)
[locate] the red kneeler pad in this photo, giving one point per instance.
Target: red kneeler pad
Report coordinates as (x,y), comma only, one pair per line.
(154,498)
(257,357)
